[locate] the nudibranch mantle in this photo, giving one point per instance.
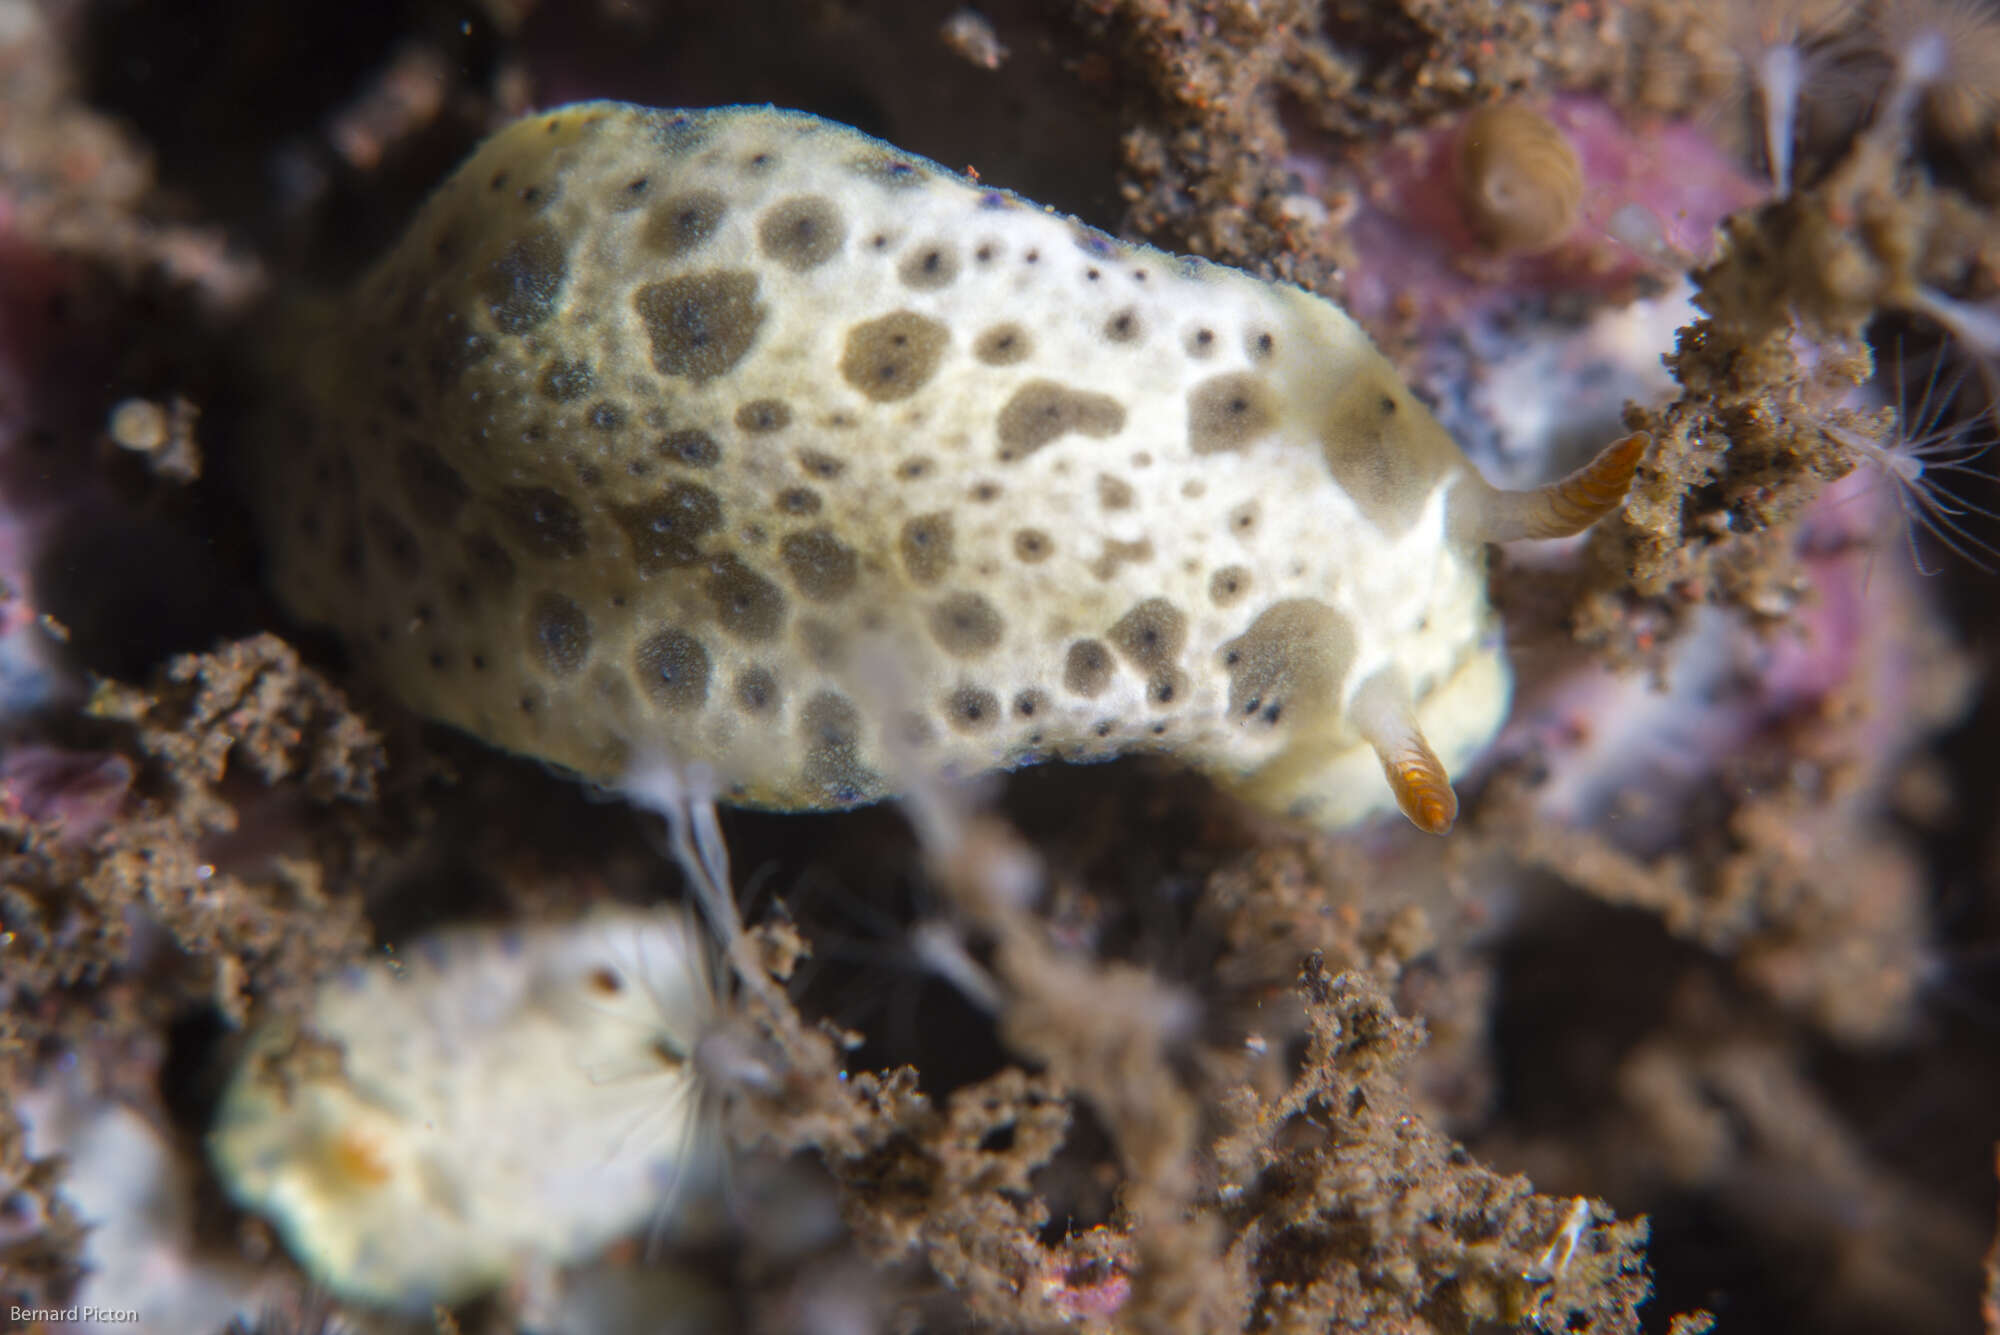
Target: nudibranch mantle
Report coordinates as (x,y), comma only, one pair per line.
(737,436)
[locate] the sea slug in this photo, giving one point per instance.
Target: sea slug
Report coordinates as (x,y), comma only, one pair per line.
(495,1097)
(656,419)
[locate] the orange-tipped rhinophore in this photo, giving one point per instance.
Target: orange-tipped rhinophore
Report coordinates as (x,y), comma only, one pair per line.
(1564,507)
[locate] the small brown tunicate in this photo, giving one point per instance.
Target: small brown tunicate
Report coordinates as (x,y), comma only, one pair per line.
(1519,184)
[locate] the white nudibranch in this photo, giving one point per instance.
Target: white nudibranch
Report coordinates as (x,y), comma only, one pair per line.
(496,1098)
(655,417)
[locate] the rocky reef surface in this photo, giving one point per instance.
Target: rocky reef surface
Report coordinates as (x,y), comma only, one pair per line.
(1690,1021)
